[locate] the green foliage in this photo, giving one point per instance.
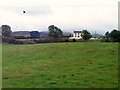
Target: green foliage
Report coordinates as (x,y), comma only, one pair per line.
(54,31)
(86,35)
(6,30)
(107,34)
(106,38)
(60,65)
(114,36)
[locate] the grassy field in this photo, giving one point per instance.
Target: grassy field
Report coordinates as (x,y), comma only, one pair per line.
(61,65)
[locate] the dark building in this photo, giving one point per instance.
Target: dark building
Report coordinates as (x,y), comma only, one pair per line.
(44,34)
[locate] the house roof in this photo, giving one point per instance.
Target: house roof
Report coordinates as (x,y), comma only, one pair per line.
(77,31)
(20,33)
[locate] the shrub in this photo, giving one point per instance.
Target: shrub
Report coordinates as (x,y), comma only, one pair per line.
(67,40)
(11,40)
(28,42)
(74,40)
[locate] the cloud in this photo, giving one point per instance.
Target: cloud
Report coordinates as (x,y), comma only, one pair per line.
(69,15)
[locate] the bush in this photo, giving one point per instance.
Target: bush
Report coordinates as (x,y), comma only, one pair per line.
(74,40)
(42,40)
(67,40)
(28,42)
(11,40)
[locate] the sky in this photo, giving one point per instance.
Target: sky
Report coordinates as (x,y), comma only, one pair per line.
(69,15)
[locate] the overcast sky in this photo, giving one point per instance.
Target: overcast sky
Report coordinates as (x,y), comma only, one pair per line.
(69,15)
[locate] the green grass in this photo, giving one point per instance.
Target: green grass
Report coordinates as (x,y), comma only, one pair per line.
(61,65)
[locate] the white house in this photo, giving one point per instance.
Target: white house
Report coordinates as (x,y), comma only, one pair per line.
(76,35)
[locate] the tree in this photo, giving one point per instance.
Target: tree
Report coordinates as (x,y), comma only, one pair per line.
(118,36)
(6,30)
(107,34)
(54,31)
(107,37)
(115,35)
(34,34)
(86,35)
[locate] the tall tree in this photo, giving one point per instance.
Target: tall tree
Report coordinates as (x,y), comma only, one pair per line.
(54,31)
(6,30)
(107,37)
(107,34)
(115,35)
(86,35)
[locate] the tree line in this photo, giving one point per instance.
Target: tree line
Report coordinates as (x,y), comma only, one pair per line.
(55,32)
(113,36)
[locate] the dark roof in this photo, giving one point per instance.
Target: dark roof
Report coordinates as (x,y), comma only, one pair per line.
(77,31)
(20,33)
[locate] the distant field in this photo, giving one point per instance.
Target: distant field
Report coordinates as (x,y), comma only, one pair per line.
(61,65)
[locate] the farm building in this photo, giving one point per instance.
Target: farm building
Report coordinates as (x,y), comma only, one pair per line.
(20,34)
(76,35)
(28,34)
